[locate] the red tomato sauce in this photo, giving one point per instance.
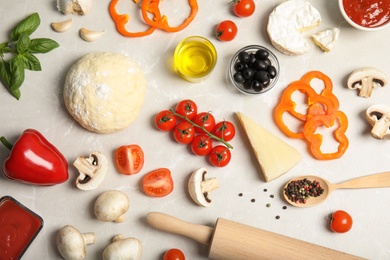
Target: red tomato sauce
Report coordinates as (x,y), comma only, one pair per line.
(18,228)
(368,13)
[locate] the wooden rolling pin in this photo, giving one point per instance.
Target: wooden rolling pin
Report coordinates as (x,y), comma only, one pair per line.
(234,241)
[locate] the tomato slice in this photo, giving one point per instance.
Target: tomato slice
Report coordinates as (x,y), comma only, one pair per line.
(129,159)
(158,183)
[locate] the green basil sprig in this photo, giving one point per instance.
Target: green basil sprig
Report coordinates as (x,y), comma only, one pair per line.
(22,48)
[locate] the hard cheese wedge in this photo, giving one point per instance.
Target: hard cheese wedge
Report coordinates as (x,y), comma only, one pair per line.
(275,157)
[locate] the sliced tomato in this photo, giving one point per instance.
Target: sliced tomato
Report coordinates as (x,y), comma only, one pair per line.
(158,183)
(129,159)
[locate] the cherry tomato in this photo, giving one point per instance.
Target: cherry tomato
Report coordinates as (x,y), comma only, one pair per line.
(244,8)
(165,120)
(184,132)
(129,159)
(202,145)
(220,156)
(340,221)
(187,108)
(158,183)
(174,254)
(226,31)
(224,130)
(206,120)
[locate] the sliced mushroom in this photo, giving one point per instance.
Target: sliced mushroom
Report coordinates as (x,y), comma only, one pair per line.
(111,206)
(378,116)
(366,79)
(199,187)
(89,35)
(80,7)
(71,243)
(123,248)
(61,26)
(92,170)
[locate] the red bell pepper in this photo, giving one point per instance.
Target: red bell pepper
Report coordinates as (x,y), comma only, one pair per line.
(34,160)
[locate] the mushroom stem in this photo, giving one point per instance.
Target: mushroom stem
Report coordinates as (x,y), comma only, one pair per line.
(86,165)
(89,238)
(208,185)
(381,128)
(367,85)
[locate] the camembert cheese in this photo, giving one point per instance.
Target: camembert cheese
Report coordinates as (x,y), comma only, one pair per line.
(327,39)
(287,22)
(275,157)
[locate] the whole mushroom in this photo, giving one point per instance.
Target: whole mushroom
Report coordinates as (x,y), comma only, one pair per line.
(71,243)
(378,116)
(199,187)
(111,206)
(366,79)
(123,248)
(92,170)
(80,7)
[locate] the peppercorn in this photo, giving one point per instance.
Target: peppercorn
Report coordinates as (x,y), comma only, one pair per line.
(299,191)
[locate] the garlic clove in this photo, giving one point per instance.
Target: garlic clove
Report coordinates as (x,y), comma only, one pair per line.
(89,35)
(61,26)
(80,7)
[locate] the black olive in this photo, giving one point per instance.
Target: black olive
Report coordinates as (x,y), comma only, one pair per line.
(257,86)
(239,66)
(243,57)
(268,62)
(247,84)
(252,58)
(272,71)
(262,76)
(238,77)
(260,65)
(248,73)
(262,54)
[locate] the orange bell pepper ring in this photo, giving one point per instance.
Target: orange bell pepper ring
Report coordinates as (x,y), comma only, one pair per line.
(122,19)
(315,139)
(151,6)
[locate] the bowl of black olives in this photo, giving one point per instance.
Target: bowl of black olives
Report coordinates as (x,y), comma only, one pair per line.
(254,69)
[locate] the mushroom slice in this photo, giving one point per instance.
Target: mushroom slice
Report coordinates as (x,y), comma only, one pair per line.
(378,116)
(92,170)
(74,6)
(123,248)
(111,206)
(71,243)
(89,35)
(61,26)
(366,79)
(199,187)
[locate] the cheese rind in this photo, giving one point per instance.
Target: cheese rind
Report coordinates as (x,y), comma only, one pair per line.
(327,39)
(287,21)
(275,157)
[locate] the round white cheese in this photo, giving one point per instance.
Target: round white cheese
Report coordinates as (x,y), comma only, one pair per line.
(104,92)
(287,21)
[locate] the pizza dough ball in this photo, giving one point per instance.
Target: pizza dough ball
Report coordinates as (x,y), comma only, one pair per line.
(104,92)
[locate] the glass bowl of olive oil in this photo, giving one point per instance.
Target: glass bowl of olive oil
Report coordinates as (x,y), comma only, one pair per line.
(195,58)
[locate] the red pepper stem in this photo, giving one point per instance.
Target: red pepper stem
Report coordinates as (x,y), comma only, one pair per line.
(6,143)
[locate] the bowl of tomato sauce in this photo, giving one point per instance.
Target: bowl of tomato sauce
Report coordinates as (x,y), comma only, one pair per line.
(367,15)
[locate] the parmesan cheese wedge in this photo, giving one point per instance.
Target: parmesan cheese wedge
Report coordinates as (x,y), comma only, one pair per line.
(327,39)
(287,22)
(275,157)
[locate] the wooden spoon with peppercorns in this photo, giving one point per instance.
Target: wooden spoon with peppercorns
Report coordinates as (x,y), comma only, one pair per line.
(307,191)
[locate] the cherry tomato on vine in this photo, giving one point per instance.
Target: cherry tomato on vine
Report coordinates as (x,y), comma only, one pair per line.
(244,8)
(224,130)
(202,145)
(220,156)
(226,31)
(340,221)
(129,159)
(174,254)
(206,120)
(158,183)
(165,120)
(187,108)
(184,132)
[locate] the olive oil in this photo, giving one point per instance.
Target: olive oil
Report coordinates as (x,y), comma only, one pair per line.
(195,57)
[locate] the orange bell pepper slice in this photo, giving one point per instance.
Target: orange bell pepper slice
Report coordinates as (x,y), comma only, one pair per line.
(122,19)
(151,6)
(315,139)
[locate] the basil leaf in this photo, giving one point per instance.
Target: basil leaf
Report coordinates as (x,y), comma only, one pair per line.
(42,45)
(31,62)
(15,93)
(4,48)
(5,73)
(22,43)
(17,72)
(27,25)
